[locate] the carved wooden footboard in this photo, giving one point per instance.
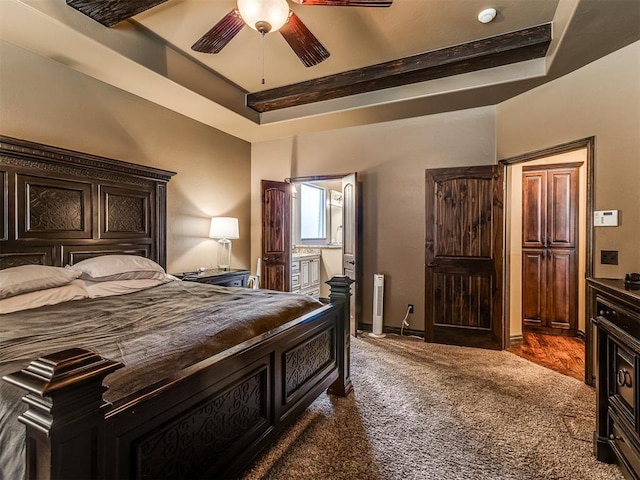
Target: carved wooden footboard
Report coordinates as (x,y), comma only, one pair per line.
(210,419)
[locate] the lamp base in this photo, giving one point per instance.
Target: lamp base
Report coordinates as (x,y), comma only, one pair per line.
(224,254)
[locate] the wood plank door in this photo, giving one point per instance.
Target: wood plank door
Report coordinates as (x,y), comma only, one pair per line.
(549,249)
(350,238)
(463,254)
(276,235)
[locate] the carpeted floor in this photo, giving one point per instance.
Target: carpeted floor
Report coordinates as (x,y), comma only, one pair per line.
(426,411)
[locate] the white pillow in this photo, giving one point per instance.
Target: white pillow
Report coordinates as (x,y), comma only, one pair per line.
(29,278)
(122,287)
(118,267)
(51,296)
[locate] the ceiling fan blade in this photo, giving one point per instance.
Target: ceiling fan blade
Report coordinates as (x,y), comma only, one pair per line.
(110,12)
(347,3)
(304,43)
(220,34)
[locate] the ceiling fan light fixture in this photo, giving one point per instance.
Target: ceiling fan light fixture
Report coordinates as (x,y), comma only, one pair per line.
(264,16)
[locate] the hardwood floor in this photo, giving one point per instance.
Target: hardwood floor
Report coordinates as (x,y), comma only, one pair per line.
(561,354)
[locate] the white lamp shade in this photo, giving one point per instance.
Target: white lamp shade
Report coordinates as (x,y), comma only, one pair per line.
(275,12)
(224,227)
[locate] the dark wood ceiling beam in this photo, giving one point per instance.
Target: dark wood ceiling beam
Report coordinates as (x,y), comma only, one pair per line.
(110,12)
(514,47)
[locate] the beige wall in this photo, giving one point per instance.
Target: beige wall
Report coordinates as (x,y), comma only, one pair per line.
(602,100)
(390,159)
(43,101)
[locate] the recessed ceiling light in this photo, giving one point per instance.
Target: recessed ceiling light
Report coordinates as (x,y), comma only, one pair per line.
(486,15)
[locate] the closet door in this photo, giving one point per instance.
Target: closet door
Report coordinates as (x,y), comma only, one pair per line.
(562,208)
(549,249)
(534,231)
(561,289)
(534,209)
(534,286)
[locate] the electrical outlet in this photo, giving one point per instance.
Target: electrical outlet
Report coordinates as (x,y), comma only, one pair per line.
(410,308)
(609,257)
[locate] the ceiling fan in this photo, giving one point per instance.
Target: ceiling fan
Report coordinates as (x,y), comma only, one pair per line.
(263,16)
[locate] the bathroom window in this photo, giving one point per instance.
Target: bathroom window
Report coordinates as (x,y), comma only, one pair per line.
(313,208)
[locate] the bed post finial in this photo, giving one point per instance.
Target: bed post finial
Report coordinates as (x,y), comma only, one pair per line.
(65,410)
(341,295)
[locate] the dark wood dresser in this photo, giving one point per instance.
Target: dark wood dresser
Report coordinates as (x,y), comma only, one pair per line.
(214,276)
(616,316)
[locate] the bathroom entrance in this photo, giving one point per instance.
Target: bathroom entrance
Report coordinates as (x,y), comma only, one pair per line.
(311,232)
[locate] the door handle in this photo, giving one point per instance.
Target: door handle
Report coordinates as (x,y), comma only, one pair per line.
(431,264)
(623,378)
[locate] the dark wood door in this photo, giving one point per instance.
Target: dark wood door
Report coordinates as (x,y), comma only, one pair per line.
(549,249)
(463,279)
(276,235)
(350,230)
(534,202)
(534,277)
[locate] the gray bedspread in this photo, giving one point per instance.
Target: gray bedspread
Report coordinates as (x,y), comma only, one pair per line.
(160,330)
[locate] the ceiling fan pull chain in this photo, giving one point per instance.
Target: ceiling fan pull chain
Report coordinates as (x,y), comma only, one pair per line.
(263,50)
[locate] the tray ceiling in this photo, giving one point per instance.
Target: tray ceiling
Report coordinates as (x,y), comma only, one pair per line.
(150,56)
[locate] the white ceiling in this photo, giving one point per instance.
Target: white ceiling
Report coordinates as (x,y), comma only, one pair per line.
(150,56)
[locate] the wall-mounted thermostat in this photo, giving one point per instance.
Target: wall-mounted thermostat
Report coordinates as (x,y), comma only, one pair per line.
(605,218)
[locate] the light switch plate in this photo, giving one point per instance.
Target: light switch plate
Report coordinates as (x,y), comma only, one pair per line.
(605,218)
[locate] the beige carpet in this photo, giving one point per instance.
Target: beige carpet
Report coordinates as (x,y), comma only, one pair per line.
(426,411)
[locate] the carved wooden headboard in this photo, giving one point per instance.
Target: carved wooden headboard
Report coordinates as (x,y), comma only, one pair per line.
(59,207)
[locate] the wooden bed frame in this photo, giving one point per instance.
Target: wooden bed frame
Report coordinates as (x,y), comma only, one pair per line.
(59,207)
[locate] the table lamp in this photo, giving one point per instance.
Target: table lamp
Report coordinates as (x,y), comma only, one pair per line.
(224,229)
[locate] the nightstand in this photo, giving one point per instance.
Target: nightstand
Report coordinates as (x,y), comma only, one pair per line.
(215,276)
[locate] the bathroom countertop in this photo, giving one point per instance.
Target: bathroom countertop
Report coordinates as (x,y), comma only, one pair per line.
(302,256)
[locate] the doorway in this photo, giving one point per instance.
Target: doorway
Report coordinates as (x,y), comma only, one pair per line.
(530,312)
(310,233)
(550,245)
(316,234)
